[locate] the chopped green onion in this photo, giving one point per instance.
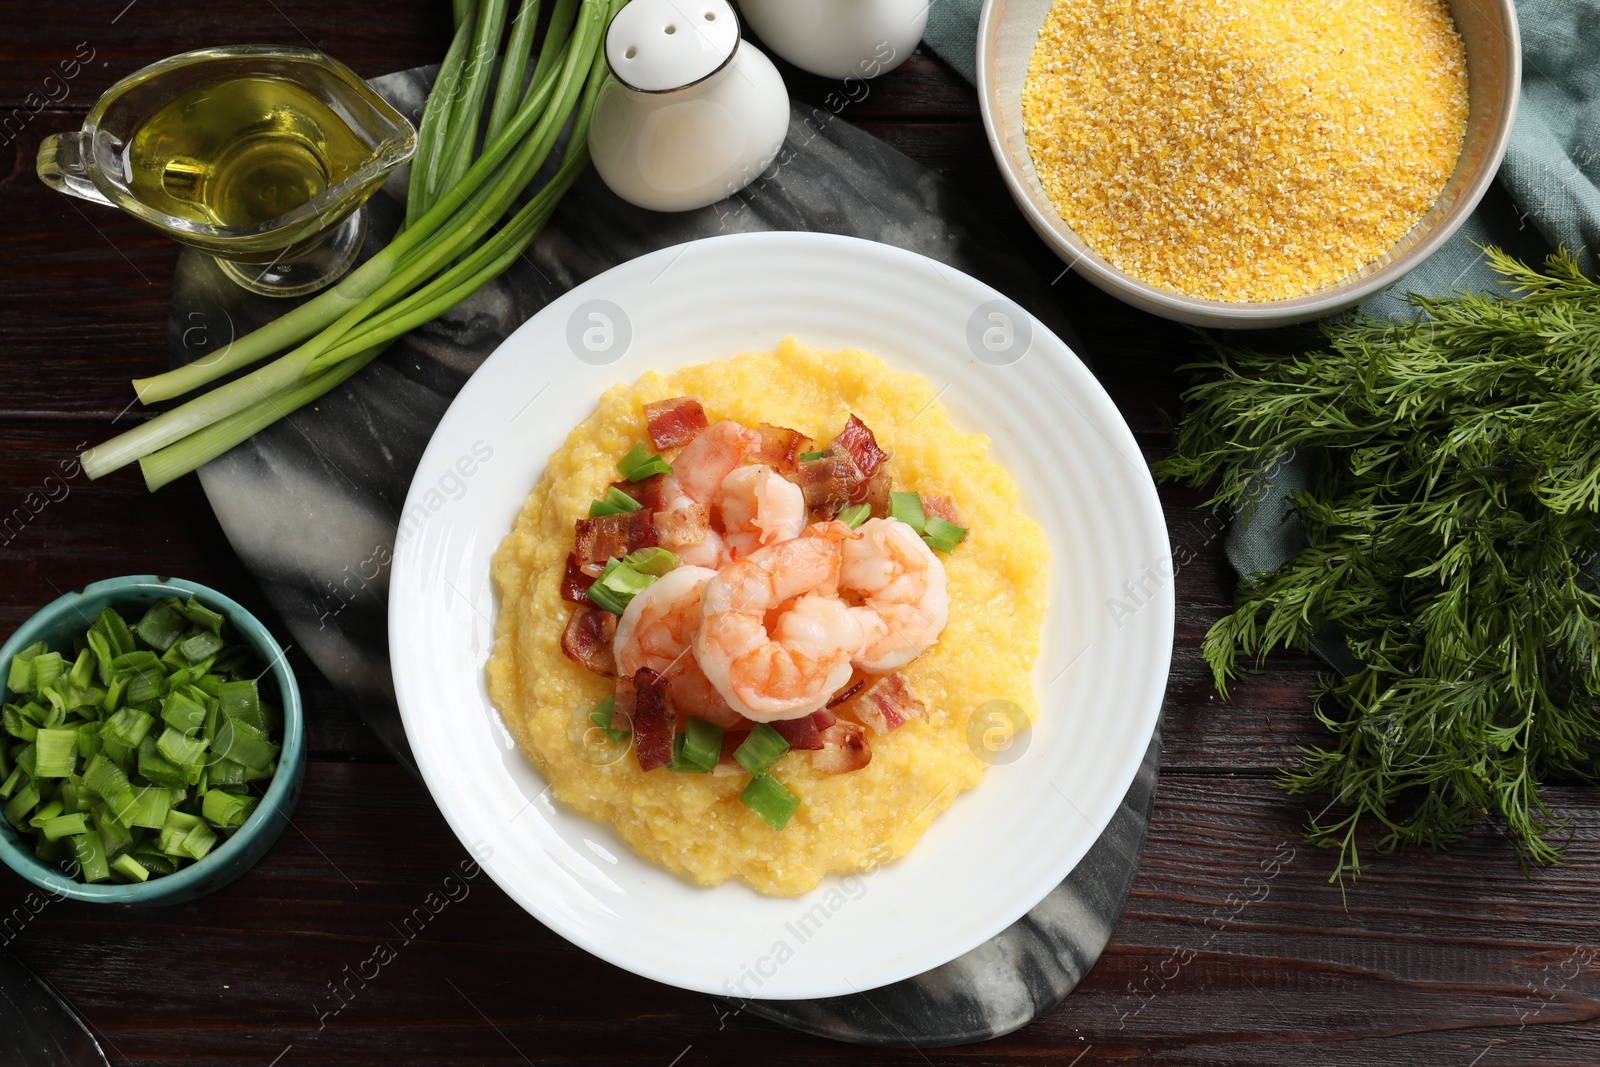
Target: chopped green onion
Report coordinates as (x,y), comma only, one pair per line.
(907,508)
(615,502)
(65,826)
(53,756)
(157,769)
(18,807)
(618,584)
(241,700)
(47,667)
(115,631)
(113,833)
(941,535)
(225,809)
(202,616)
(244,744)
(46,813)
(200,646)
(82,669)
(130,868)
(161,627)
(17,725)
(182,713)
(697,749)
(640,464)
(150,806)
(761,750)
(91,853)
(186,752)
(855,515)
(601,717)
(144,686)
(20,677)
(807,457)
(767,797)
(128,726)
(656,561)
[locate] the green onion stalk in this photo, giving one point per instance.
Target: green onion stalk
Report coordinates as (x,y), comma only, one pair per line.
(446,252)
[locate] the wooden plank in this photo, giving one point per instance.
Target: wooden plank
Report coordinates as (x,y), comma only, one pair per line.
(1233,949)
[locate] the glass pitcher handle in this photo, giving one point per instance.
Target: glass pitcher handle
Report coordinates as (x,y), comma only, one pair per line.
(60,166)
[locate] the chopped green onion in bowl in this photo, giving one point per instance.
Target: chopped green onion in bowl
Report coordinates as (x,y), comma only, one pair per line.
(112,806)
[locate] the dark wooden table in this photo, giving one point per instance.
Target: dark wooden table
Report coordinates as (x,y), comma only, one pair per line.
(1452,959)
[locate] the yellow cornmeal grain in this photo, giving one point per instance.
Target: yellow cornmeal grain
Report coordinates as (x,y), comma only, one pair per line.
(694,823)
(1245,150)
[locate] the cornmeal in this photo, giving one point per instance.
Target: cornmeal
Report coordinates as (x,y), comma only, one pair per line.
(694,823)
(1245,150)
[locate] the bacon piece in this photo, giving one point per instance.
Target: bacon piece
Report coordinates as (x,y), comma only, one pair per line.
(675,422)
(857,442)
(804,733)
(886,704)
(876,493)
(576,582)
(727,766)
(858,682)
(682,528)
(941,507)
(599,539)
(844,749)
(648,493)
(653,720)
(780,447)
(587,639)
(829,483)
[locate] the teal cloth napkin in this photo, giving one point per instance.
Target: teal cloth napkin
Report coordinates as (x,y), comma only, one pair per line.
(1548,194)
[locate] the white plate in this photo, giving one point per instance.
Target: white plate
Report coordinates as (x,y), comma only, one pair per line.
(1001,847)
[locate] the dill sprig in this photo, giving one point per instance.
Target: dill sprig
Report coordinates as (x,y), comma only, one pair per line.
(1450,544)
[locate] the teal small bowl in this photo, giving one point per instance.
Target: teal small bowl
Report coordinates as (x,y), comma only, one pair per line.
(68,617)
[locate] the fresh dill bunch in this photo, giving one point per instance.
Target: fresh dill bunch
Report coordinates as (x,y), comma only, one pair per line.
(1451,544)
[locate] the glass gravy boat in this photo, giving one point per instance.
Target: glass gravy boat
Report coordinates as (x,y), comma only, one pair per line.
(260,156)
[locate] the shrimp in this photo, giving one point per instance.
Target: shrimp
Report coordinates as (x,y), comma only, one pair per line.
(656,631)
(698,471)
(792,665)
(898,587)
(759,507)
(694,485)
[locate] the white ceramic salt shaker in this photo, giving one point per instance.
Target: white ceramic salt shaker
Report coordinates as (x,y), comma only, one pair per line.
(839,38)
(690,113)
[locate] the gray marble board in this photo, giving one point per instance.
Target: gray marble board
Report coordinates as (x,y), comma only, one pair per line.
(311,505)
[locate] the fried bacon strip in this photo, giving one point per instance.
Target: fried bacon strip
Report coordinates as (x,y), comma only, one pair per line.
(675,422)
(844,749)
(683,528)
(941,507)
(587,639)
(850,472)
(781,447)
(805,733)
(886,704)
(647,492)
(599,539)
(857,442)
(653,719)
(575,582)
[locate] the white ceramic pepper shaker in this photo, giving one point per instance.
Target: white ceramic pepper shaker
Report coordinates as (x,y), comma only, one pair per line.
(839,38)
(690,113)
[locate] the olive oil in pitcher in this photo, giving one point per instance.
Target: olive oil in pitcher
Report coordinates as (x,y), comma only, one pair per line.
(241,152)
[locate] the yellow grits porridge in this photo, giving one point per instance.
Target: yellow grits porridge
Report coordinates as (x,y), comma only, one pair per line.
(694,823)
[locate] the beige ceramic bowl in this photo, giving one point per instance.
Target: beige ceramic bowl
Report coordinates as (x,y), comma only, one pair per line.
(1007,31)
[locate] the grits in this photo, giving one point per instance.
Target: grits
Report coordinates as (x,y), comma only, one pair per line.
(694,823)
